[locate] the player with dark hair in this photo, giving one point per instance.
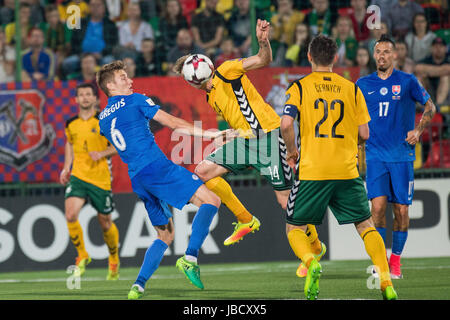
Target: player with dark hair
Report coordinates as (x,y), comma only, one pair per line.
(332,114)
(87,175)
(154,178)
(232,95)
(391,97)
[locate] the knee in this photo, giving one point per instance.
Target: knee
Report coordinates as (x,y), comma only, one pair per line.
(71,215)
(201,171)
(167,236)
(378,209)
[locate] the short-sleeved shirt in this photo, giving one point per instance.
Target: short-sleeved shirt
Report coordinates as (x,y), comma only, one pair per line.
(125,123)
(392,105)
(330,110)
(235,98)
(84,136)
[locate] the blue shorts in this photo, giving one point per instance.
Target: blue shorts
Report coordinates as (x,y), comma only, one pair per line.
(392,179)
(163,182)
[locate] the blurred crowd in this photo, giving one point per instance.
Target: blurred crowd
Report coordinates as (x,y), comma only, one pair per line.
(64,39)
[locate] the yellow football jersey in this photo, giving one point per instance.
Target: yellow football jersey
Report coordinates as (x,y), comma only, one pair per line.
(330,109)
(235,98)
(84,136)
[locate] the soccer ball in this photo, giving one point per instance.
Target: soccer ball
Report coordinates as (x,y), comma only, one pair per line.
(197,69)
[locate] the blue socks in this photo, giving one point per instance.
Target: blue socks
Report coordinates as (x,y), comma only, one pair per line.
(200,228)
(398,241)
(382,232)
(152,259)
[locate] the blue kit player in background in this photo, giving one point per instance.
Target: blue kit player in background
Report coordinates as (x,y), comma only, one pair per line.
(155,179)
(391,96)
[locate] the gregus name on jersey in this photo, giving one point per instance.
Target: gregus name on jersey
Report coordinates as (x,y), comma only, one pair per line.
(322,87)
(112,108)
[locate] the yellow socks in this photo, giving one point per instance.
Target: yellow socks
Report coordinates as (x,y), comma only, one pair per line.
(375,248)
(111,238)
(313,237)
(220,187)
(301,246)
(76,236)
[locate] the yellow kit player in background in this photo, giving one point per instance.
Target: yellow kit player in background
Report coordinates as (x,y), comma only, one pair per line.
(332,114)
(89,179)
(231,94)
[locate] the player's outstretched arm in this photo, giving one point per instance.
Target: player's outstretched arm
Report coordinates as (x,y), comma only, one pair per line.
(108,152)
(64,176)
(184,127)
(264,55)
(428,114)
(288,134)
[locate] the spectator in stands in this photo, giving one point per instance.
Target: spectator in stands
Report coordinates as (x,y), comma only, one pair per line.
(37,12)
(148,62)
(97,35)
(420,38)
(130,67)
(365,62)
(25,26)
(65,5)
(171,21)
(297,53)
(282,30)
(284,22)
(38,63)
(359,16)
(434,71)
(238,26)
(403,62)
(400,17)
(7,12)
(375,35)
(116,10)
(347,45)
(7,60)
(134,30)
(185,45)
(89,67)
(384,6)
(227,52)
(208,27)
(57,35)
(149,9)
(321,19)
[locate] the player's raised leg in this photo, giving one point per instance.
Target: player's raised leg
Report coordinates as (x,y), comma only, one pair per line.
(211,173)
(208,204)
(73,206)
(300,244)
(318,248)
(376,250)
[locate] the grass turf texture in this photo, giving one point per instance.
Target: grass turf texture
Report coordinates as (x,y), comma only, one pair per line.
(424,279)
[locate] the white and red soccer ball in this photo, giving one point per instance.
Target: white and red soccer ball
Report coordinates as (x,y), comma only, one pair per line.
(197,69)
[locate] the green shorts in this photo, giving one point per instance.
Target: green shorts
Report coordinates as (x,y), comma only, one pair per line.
(99,198)
(308,201)
(267,154)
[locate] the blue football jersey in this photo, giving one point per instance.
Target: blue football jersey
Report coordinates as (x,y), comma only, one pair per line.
(391,104)
(125,123)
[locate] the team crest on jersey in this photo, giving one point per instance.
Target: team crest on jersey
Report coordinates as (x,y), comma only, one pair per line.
(383,91)
(24,138)
(396,89)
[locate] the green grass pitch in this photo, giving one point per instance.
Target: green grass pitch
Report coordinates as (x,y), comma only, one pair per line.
(424,279)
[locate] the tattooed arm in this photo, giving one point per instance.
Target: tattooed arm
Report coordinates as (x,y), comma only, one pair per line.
(264,55)
(428,114)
